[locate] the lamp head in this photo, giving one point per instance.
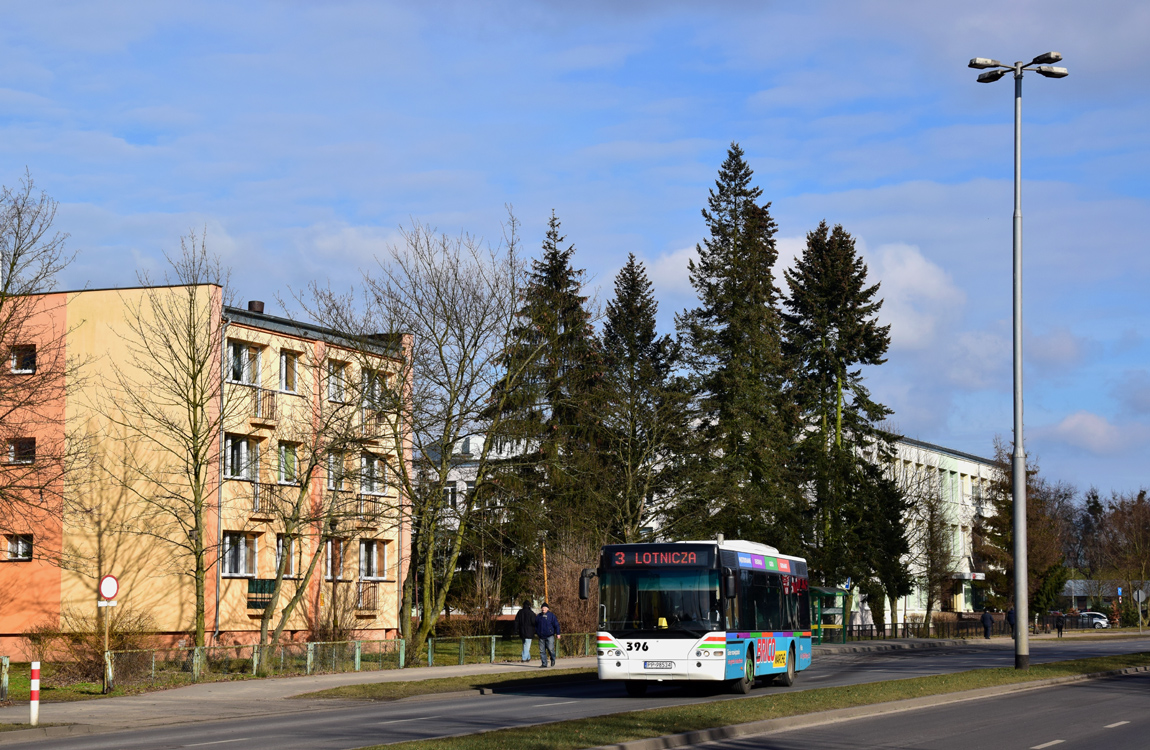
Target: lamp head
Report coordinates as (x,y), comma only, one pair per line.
(983,62)
(991,76)
(1046,58)
(1052,72)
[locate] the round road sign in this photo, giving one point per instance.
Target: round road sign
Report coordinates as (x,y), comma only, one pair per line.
(109,587)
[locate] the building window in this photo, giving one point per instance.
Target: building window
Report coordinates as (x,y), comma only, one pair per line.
(450,496)
(239,555)
(375,384)
(289,464)
(22,450)
(372,559)
(243,363)
(334,550)
(335,471)
(373,475)
(336,381)
(23,359)
(285,545)
(241,457)
(19,547)
(289,363)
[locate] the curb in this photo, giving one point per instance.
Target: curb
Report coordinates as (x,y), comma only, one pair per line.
(858,648)
(802,721)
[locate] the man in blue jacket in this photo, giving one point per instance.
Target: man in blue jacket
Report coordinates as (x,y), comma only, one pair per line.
(547,631)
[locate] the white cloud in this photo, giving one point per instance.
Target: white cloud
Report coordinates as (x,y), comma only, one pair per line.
(668,273)
(1094,433)
(919,297)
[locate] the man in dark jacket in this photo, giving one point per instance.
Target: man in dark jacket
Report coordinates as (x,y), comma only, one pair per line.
(547,629)
(987,621)
(525,628)
(1010,620)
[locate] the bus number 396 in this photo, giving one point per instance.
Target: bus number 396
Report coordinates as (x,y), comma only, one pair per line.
(636,646)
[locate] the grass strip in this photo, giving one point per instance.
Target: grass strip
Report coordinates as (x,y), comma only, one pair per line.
(634,725)
(390,691)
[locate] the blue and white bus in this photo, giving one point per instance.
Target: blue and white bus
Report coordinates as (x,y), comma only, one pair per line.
(716,610)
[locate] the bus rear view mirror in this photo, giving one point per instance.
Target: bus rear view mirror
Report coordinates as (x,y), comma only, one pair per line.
(585,583)
(728,583)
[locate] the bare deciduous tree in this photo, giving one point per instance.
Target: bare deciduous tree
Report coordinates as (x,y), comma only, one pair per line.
(457,299)
(35,373)
(165,399)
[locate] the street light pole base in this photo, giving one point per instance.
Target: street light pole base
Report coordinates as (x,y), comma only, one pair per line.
(1022,661)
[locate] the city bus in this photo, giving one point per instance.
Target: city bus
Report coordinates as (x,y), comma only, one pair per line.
(717,610)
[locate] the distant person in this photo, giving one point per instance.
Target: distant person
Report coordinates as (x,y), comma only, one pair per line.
(1010,620)
(525,628)
(987,621)
(1060,623)
(547,628)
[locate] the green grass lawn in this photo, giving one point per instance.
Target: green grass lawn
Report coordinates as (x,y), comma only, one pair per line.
(389,691)
(633,725)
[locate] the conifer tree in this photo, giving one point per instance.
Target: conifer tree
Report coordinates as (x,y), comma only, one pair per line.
(643,407)
(739,479)
(551,421)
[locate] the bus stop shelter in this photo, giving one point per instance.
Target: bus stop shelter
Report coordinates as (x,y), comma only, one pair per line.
(827,605)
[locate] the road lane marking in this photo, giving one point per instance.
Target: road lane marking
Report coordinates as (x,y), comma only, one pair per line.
(219,742)
(1116,724)
(562,703)
(1048,744)
(400,721)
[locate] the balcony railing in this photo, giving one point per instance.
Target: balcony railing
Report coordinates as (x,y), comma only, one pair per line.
(263,405)
(368,508)
(260,592)
(366,596)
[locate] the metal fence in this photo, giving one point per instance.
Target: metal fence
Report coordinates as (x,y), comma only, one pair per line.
(966,628)
(186,665)
(478,649)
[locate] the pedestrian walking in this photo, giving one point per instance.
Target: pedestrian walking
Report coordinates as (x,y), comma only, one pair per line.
(547,630)
(1060,623)
(987,621)
(525,627)
(1010,620)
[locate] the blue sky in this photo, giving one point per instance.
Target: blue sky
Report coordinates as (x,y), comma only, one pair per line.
(302,135)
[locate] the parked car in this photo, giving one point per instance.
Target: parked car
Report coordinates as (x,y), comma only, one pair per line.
(1094,620)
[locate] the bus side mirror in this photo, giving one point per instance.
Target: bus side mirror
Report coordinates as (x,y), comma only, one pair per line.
(728,583)
(585,583)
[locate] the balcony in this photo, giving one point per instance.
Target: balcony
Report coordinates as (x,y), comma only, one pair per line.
(368,509)
(366,598)
(262,407)
(260,592)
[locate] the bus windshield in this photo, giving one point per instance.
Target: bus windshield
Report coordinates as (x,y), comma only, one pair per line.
(667,601)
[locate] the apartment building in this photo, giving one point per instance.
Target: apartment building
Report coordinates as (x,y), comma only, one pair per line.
(292,468)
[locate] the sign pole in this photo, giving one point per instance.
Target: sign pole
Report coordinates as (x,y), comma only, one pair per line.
(108,589)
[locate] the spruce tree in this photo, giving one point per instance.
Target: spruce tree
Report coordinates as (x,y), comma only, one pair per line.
(831,330)
(642,406)
(551,421)
(740,481)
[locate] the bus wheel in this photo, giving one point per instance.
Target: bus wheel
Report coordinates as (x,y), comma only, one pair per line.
(747,681)
(636,688)
(788,678)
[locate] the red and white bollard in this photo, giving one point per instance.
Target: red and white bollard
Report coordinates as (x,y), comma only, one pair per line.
(34,693)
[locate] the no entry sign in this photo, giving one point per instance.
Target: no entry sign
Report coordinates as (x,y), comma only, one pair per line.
(109,587)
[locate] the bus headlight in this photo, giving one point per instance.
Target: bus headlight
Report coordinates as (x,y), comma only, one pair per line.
(698,653)
(718,653)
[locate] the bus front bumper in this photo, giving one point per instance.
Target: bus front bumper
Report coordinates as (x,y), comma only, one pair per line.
(696,669)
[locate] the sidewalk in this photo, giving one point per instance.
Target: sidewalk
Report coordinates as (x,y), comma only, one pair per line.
(227,700)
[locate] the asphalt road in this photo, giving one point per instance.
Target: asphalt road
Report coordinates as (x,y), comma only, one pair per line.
(1111,713)
(346,725)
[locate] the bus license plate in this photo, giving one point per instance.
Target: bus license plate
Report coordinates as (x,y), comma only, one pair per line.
(658,665)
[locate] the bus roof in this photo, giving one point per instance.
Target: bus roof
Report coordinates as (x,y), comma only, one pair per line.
(739,545)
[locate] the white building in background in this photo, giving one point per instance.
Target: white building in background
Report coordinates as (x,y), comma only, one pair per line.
(963,481)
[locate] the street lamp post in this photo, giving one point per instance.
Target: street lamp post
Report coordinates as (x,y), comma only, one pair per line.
(994,70)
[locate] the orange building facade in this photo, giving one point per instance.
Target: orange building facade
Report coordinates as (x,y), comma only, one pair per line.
(299,474)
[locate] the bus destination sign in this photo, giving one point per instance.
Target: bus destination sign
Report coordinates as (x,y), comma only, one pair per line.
(646,556)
